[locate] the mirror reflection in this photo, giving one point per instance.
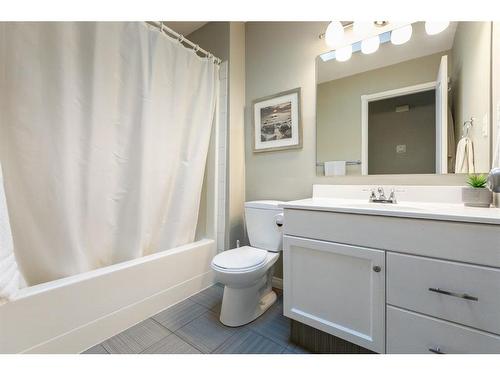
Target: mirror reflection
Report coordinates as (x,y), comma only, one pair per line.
(420,107)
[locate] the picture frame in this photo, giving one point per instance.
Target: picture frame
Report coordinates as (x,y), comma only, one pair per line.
(277,122)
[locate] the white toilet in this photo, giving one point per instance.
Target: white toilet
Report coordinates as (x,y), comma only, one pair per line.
(247,271)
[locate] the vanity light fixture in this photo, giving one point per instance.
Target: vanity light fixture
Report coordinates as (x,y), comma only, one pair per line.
(343,53)
(370,45)
(334,34)
(433,28)
(362,28)
(345,38)
(401,35)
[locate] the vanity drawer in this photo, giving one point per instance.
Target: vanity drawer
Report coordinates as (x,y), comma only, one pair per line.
(462,242)
(412,333)
(453,291)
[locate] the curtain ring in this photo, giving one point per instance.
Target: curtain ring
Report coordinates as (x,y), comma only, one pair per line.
(161,24)
(196,48)
(180,39)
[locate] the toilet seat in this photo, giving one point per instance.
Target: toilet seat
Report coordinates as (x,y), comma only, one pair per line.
(240,259)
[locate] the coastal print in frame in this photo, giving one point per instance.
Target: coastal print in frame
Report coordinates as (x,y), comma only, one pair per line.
(277,122)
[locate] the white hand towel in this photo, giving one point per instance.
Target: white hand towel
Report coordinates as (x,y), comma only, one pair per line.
(335,168)
(464,162)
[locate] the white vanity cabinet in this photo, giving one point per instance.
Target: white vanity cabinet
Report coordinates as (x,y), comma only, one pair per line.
(336,288)
(395,280)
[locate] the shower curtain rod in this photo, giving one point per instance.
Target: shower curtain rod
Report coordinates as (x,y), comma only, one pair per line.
(167,30)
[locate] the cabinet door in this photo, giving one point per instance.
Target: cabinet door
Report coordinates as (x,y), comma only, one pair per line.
(336,288)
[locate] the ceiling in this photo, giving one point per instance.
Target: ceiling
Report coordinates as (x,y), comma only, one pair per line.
(419,45)
(184,28)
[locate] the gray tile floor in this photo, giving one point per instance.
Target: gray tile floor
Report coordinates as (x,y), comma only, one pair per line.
(192,327)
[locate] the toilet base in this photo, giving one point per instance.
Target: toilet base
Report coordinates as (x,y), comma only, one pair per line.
(242,306)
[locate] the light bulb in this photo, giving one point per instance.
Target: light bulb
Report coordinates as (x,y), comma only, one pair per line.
(370,45)
(433,28)
(401,35)
(343,53)
(361,28)
(334,34)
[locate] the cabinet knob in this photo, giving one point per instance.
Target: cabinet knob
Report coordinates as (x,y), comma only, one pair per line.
(377,268)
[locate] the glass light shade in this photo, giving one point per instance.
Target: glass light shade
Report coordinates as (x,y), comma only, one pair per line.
(361,28)
(343,53)
(433,28)
(334,34)
(401,35)
(370,45)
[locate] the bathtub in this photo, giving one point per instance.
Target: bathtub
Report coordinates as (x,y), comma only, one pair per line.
(72,314)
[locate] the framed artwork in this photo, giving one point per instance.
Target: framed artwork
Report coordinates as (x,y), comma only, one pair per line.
(276,122)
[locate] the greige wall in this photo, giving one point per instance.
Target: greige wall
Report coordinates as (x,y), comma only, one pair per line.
(339,104)
(415,128)
(470,80)
(213,37)
(236,135)
(281,56)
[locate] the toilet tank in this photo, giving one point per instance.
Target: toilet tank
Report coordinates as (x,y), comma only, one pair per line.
(263,232)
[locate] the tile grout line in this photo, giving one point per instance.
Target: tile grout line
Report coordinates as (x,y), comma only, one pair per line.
(196,317)
(188,343)
(254,332)
(222,343)
(186,299)
(171,333)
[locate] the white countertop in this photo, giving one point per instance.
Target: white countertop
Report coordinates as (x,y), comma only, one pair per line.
(406,209)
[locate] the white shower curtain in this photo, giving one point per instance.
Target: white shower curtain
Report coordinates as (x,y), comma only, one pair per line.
(10,278)
(104,136)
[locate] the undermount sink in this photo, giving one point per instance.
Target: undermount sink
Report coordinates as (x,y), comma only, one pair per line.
(385,206)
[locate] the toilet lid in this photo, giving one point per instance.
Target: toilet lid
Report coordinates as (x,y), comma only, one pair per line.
(242,257)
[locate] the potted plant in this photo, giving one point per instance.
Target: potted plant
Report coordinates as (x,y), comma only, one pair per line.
(477,194)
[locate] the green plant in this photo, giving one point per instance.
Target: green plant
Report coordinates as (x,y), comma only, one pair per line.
(477,180)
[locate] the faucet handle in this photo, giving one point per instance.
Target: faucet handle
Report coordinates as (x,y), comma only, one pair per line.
(372,195)
(392,196)
(381,193)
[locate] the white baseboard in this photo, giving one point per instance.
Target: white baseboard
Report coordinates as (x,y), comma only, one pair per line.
(277,283)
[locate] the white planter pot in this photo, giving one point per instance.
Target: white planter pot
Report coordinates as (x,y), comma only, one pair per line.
(476,197)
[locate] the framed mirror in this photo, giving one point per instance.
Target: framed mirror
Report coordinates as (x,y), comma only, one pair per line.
(421,107)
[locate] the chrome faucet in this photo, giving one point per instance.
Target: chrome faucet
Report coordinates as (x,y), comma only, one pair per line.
(381,196)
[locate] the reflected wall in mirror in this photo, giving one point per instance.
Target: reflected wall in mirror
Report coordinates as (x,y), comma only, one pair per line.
(418,108)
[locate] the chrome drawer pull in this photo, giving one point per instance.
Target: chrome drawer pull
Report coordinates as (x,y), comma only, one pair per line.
(436,350)
(459,295)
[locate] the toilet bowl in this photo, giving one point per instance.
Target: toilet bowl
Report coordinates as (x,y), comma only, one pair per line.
(246,272)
